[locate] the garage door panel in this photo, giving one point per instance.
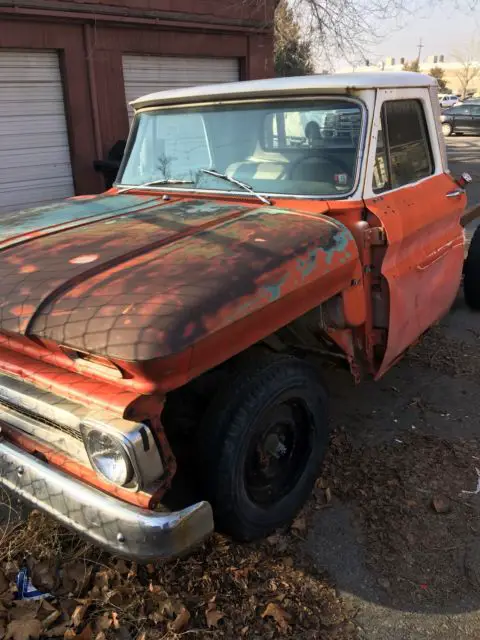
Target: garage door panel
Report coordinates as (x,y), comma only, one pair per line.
(28,75)
(147,74)
(31,66)
(30,194)
(10,109)
(22,142)
(48,123)
(46,156)
(13,175)
(38,92)
(34,151)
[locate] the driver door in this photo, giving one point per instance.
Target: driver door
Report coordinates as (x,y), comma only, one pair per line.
(463,119)
(419,206)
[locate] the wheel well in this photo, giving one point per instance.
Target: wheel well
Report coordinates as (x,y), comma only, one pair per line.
(305,335)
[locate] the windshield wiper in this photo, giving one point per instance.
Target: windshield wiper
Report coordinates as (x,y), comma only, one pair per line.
(154,183)
(243,185)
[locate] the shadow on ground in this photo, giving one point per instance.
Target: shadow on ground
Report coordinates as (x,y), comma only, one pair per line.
(400,538)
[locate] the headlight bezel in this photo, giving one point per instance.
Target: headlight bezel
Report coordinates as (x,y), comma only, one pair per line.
(116,447)
(140,445)
(124,444)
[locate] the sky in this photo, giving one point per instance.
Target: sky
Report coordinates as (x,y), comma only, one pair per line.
(442,30)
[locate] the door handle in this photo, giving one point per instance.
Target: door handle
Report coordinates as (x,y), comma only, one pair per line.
(455,194)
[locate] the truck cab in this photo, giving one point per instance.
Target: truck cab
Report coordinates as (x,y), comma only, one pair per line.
(164,328)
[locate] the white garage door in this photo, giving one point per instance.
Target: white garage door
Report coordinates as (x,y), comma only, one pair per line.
(146,74)
(34,154)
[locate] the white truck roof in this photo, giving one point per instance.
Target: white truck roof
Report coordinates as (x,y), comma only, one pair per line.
(341,83)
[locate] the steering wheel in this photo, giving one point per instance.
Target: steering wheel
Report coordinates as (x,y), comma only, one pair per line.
(322,157)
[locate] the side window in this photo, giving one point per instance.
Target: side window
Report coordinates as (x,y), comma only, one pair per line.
(476,110)
(404,153)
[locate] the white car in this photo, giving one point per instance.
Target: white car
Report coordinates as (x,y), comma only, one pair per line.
(447,100)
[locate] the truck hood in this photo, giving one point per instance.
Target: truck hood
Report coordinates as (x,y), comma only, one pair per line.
(136,278)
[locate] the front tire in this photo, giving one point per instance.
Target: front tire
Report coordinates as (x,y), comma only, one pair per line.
(447,129)
(471,271)
(262,443)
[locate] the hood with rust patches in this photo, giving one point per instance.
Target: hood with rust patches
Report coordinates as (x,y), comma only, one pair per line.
(18,225)
(154,280)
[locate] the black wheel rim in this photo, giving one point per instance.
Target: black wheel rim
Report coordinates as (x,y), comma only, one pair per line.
(278,452)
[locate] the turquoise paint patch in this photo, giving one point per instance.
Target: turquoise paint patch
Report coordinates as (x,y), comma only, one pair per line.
(21,222)
(308,265)
(275,290)
(340,241)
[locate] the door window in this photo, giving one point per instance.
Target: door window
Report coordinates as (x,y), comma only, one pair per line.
(404,153)
(461,111)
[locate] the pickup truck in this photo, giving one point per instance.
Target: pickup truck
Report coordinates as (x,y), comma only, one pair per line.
(156,340)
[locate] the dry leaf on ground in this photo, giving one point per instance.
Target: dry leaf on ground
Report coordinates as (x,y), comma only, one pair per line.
(299,524)
(213,615)
(85,634)
(281,617)
(4,583)
(180,621)
(51,618)
(441,504)
(44,575)
(24,630)
(79,614)
(122,567)
(23,610)
(174,598)
(103,622)
(58,631)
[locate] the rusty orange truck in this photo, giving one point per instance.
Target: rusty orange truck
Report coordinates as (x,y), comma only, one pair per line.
(161,330)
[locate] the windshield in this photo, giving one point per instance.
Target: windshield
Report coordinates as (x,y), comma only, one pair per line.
(307,148)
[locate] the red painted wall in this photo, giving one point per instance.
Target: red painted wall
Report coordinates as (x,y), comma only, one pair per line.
(91,46)
(247,11)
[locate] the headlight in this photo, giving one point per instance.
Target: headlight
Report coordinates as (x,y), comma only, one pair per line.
(108,457)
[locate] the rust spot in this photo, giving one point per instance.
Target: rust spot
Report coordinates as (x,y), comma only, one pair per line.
(86,259)
(28,268)
(189,329)
(22,309)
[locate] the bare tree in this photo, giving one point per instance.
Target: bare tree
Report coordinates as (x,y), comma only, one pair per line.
(347,29)
(470,66)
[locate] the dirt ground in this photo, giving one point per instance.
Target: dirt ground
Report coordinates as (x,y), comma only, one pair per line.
(400,540)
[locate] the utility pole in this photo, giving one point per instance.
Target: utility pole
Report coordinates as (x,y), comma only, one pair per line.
(420,47)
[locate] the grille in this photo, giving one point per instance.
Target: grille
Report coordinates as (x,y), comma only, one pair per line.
(74,433)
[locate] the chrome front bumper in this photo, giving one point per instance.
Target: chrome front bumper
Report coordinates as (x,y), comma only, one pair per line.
(120,528)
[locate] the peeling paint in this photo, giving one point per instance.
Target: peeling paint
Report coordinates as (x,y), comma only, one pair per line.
(274,291)
(180,270)
(71,211)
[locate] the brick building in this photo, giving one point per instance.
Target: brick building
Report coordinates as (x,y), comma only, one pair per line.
(69,67)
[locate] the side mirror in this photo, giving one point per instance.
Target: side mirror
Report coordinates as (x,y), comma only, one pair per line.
(464,180)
